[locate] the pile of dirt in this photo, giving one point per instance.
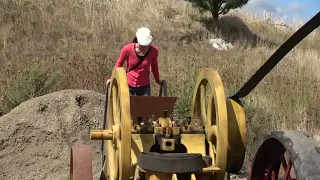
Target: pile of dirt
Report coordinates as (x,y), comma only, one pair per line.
(2,107)
(36,137)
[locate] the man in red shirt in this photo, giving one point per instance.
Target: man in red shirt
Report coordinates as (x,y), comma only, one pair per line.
(140,56)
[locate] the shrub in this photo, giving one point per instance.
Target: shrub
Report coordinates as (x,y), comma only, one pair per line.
(32,83)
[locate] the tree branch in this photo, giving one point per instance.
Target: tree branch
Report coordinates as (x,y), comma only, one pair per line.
(222,11)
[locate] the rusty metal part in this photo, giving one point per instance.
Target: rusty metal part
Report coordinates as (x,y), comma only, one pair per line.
(287,155)
(214,117)
(118,163)
(81,163)
(146,106)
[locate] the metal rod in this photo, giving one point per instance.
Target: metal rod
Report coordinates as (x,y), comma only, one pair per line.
(101,135)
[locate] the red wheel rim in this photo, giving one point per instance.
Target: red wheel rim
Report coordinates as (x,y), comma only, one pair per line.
(81,163)
(273,162)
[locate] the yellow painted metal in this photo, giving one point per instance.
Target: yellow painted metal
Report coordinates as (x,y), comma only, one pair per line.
(167,144)
(201,176)
(237,136)
(195,143)
(140,143)
(101,135)
(118,161)
(204,174)
(225,130)
(224,121)
(175,131)
(158,131)
(164,122)
(158,176)
(214,116)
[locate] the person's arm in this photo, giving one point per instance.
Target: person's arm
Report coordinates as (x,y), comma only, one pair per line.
(122,58)
(155,69)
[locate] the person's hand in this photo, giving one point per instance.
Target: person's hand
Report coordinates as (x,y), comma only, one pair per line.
(108,81)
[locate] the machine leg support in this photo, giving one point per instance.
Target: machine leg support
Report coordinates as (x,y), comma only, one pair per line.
(157,176)
(202,176)
(168,176)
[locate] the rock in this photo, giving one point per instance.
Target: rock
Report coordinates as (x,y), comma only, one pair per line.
(220,44)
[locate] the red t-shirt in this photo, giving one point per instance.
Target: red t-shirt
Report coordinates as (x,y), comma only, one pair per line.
(140,75)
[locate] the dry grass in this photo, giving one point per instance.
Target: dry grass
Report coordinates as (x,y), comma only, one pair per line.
(81,39)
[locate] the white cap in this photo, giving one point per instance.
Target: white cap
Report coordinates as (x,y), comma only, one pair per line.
(144,37)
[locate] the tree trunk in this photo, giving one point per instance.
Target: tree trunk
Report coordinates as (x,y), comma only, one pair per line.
(215,17)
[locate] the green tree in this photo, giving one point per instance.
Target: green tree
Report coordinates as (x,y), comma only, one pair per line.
(217,7)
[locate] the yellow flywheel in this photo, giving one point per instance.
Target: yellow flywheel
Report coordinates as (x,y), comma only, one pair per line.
(224,122)
(214,116)
(118,161)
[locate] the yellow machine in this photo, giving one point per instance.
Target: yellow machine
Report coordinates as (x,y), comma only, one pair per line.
(126,142)
(143,141)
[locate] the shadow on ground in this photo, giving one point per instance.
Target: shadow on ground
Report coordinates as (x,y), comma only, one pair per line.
(233,29)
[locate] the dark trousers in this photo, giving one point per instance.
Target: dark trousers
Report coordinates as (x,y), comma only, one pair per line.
(140,91)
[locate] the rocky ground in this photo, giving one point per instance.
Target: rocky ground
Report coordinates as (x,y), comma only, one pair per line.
(36,137)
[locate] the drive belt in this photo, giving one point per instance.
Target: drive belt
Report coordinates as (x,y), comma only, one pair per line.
(299,35)
(104,125)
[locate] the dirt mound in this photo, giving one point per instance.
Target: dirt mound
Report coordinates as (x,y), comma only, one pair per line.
(36,136)
(2,107)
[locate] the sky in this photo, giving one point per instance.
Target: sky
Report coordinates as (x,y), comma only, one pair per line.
(284,10)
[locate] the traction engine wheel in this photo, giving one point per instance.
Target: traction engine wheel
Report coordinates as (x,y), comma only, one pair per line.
(214,118)
(118,161)
(287,155)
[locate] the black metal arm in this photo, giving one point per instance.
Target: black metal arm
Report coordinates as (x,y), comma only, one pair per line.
(163,88)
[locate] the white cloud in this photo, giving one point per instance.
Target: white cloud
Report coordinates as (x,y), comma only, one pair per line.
(296,6)
(262,5)
(284,12)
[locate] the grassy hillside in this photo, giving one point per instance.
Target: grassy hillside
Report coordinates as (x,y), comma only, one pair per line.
(80,40)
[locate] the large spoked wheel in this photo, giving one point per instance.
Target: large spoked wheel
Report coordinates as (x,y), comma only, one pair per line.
(214,116)
(118,162)
(287,155)
(81,163)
